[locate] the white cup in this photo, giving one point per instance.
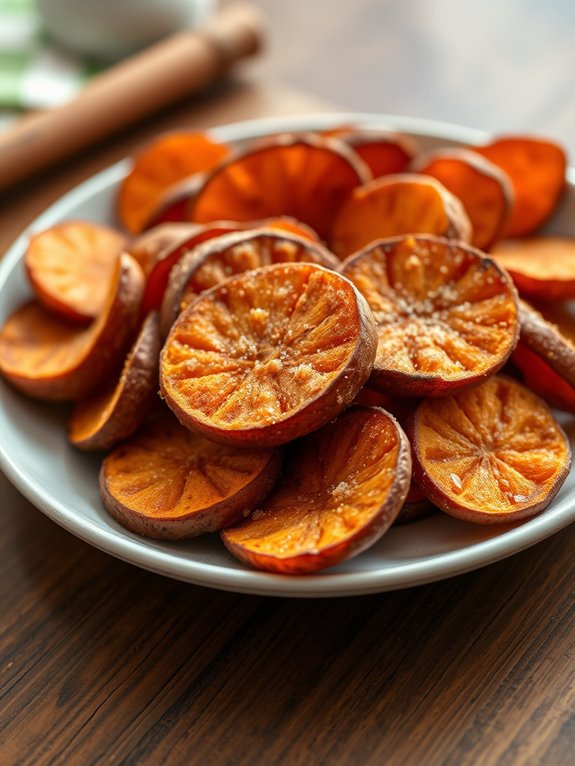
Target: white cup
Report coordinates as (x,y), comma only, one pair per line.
(107,30)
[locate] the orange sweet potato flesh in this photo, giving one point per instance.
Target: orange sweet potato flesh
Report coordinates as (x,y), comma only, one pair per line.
(173,203)
(541,267)
(394,205)
(269,355)
(483,188)
(117,410)
(211,264)
(493,454)
(164,161)
(545,354)
(48,358)
(383,152)
(304,176)
(447,315)
(70,267)
(536,168)
(341,489)
(167,482)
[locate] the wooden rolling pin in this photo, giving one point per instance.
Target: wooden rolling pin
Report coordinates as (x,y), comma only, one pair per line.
(163,73)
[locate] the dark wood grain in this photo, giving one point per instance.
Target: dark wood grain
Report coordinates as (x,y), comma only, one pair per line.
(103,663)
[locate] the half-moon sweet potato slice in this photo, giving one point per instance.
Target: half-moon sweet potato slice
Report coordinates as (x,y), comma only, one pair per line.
(115,412)
(169,158)
(545,354)
(211,264)
(446,314)
(167,482)
(300,175)
(493,454)
(70,267)
(268,355)
(536,168)
(48,358)
(483,188)
(395,205)
(541,267)
(341,489)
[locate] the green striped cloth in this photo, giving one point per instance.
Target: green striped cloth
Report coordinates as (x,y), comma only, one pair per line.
(33,73)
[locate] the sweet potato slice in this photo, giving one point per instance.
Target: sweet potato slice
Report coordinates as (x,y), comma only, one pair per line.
(340,491)
(166,259)
(269,355)
(114,413)
(545,354)
(303,176)
(493,454)
(382,151)
(169,483)
(416,505)
(483,188)
(70,267)
(156,167)
(173,203)
(47,358)
(536,168)
(215,261)
(150,247)
(541,267)
(446,314)
(394,205)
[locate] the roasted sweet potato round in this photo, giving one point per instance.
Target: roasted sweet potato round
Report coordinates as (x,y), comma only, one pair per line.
(394,205)
(545,354)
(541,267)
(115,412)
(48,358)
(165,260)
(483,188)
(169,158)
(536,168)
(382,151)
(493,454)
(148,248)
(167,482)
(340,491)
(446,314)
(300,175)
(215,261)
(70,267)
(269,355)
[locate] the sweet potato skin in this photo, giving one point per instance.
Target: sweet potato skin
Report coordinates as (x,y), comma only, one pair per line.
(210,519)
(131,396)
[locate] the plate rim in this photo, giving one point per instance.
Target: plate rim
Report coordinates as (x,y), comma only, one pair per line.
(133,549)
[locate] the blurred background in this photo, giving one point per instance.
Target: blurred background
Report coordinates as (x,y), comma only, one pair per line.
(496,66)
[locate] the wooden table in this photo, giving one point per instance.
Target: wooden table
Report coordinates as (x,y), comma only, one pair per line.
(101,662)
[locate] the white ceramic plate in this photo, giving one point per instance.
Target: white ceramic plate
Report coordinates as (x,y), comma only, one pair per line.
(63,483)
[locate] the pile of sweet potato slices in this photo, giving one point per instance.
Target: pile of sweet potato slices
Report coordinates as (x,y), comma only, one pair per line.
(326,317)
